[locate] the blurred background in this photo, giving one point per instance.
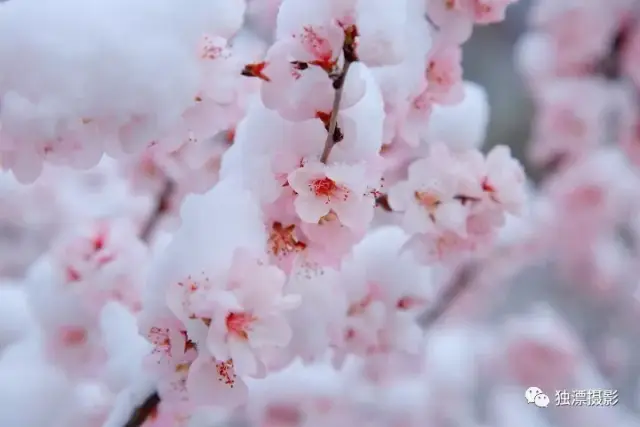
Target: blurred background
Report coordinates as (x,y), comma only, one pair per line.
(608,326)
(488,60)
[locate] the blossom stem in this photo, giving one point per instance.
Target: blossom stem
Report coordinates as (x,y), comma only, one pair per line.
(161,206)
(338,85)
(141,413)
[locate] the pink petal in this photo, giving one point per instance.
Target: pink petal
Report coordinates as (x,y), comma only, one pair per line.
(271,330)
(207,387)
(311,209)
(243,358)
(355,213)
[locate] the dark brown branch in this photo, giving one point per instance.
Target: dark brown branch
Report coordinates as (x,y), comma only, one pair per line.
(333,120)
(382,201)
(610,66)
(150,405)
(334,134)
(461,281)
(146,409)
(162,205)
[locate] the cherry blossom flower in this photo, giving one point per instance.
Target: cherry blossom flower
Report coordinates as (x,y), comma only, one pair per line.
(339,188)
(250,318)
(444,75)
(428,196)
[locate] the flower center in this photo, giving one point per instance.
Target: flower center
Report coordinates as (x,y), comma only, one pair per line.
(239,324)
(427,200)
(73,336)
(283,240)
(324,187)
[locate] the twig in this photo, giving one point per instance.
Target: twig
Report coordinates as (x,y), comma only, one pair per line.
(144,411)
(609,66)
(162,204)
(150,404)
(350,56)
(382,201)
(338,85)
(147,408)
(462,279)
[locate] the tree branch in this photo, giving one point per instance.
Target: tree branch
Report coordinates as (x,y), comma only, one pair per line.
(145,410)
(382,201)
(350,56)
(338,85)
(162,205)
(461,281)
(150,405)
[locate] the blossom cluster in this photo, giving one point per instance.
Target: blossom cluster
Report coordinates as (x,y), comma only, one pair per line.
(320,163)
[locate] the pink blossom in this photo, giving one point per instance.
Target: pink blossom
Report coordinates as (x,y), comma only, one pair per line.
(310,88)
(385,290)
(569,121)
(285,243)
(503,179)
(250,316)
(427,198)
(240,318)
(169,340)
(490,11)
(546,337)
(453,17)
(76,348)
(444,75)
(213,382)
(339,188)
(456,17)
(102,263)
(586,40)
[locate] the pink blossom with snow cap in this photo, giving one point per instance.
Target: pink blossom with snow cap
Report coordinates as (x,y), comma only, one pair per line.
(249,315)
(337,188)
